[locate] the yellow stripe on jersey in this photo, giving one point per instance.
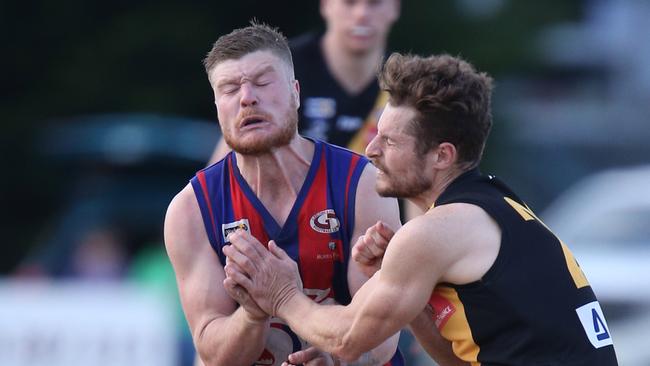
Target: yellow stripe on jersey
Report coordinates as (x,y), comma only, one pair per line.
(576,272)
(524,211)
(578,276)
(368,131)
(457,329)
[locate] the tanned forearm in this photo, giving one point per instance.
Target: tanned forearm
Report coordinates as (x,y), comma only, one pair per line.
(233,340)
(319,325)
(330,328)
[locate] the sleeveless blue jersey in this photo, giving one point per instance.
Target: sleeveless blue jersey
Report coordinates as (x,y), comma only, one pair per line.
(316,234)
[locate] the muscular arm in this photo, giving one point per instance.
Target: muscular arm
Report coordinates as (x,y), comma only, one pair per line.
(223,333)
(367,254)
(370,208)
(454,243)
(391,299)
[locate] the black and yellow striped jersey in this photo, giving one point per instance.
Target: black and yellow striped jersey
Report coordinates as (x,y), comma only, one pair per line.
(534,306)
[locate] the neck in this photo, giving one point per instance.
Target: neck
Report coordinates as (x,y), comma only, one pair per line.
(442,180)
(353,71)
(277,176)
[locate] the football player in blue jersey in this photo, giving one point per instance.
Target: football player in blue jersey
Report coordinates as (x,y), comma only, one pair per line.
(312,198)
(340,98)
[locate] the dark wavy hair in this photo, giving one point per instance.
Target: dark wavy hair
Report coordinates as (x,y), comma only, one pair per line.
(451,98)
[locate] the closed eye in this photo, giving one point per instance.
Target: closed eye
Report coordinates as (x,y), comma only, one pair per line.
(229,88)
(388,141)
(262,82)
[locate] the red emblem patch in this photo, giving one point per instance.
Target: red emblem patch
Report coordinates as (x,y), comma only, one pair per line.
(443,309)
(325,222)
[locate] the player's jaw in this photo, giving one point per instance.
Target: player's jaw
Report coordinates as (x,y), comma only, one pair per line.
(403,181)
(256,132)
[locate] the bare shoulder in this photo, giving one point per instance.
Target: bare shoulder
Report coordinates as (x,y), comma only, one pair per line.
(183,203)
(459,222)
(471,235)
(460,238)
(369,208)
(183,223)
(199,273)
(367,179)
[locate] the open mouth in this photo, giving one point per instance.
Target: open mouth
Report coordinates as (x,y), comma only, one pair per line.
(252,120)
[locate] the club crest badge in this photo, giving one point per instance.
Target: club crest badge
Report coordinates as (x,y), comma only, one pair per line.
(233,226)
(325,222)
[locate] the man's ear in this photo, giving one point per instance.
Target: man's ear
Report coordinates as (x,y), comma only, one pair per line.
(446,155)
(296,92)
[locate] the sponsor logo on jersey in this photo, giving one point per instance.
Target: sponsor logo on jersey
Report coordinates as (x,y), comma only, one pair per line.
(320,107)
(593,321)
(325,222)
(443,309)
(231,227)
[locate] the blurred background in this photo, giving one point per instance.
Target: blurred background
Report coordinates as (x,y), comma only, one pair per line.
(106,114)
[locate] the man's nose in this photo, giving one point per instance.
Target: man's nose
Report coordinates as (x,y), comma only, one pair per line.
(248,95)
(372,150)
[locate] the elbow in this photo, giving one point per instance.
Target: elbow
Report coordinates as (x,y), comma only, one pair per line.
(207,355)
(205,358)
(218,359)
(348,351)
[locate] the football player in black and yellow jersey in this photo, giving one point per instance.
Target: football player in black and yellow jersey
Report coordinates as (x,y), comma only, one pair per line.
(492,278)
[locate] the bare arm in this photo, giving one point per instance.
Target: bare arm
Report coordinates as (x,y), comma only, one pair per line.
(438,246)
(223,334)
(391,299)
(370,250)
(370,208)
